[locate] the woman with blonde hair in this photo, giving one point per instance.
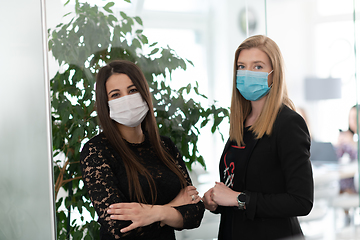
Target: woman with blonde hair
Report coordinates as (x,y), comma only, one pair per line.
(265,172)
(136,179)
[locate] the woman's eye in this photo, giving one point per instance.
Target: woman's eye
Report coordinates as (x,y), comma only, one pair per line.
(134,90)
(258,67)
(115,95)
(241,67)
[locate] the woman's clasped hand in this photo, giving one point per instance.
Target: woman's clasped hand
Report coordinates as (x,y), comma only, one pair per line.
(145,214)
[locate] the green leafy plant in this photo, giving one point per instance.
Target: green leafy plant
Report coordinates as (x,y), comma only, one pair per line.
(87,42)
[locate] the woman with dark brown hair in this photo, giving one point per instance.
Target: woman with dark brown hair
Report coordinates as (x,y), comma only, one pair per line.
(136,179)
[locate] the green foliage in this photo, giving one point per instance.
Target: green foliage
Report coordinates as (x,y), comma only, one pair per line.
(87,42)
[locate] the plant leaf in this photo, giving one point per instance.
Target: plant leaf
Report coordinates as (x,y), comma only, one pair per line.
(138,20)
(108,6)
(123,15)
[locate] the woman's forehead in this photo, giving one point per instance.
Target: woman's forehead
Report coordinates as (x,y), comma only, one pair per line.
(253,55)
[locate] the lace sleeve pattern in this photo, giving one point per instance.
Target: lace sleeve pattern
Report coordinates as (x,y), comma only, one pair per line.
(101,184)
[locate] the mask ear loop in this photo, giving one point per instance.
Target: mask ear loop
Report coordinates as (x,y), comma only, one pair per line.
(268,75)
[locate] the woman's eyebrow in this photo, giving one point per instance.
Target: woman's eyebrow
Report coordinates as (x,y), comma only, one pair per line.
(118,90)
(114,90)
(259,62)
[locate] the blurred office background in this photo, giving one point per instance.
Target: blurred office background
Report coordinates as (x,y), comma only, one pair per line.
(318,39)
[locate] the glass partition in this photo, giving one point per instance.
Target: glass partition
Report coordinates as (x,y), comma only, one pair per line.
(26,181)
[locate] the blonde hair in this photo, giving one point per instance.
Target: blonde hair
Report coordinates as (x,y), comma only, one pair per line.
(240,107)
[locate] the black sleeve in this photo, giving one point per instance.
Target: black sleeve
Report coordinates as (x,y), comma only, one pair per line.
(99,181)
(293,147)
(192,213)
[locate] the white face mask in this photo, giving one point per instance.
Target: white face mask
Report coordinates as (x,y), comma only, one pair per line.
(129,110)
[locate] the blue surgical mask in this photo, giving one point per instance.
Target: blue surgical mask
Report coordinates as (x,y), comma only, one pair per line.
(252,85)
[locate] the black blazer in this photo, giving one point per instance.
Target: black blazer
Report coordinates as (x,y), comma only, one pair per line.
(278,182)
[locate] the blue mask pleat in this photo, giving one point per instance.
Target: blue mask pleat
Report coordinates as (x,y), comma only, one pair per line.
(252,85)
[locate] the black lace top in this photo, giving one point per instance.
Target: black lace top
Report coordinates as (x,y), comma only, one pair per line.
(105,179)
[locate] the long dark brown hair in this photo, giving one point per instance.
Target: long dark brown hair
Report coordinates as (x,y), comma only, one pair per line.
(112,133)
